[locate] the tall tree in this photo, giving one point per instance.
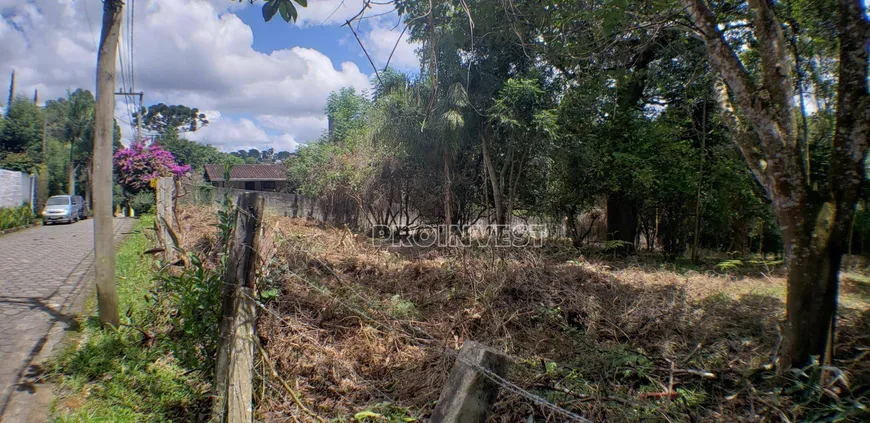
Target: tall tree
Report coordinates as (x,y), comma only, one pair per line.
(815,215)
(158,118)
(23,127)
(78,132)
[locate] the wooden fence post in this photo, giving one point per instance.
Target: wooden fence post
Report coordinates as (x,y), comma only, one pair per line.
(165,215)
(235,345)
(469,394)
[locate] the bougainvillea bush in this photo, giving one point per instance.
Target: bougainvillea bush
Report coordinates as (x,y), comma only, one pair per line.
(138,164)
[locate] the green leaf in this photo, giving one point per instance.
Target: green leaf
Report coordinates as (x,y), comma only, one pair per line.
(362,415)
(303,3)
(288,11)
(269,294)
(270,8)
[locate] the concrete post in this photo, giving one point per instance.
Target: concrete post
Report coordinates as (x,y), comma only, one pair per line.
(165,215)
(241,372)
(469,394)
(241,271)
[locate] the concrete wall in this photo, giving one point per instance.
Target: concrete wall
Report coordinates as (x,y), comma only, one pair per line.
(16,188)
(257,185)
(278,203)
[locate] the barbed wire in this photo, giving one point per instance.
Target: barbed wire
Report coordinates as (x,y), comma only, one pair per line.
(516,389)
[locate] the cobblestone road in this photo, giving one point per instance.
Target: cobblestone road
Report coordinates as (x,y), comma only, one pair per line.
(43,272)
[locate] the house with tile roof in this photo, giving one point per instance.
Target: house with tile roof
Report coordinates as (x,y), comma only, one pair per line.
(250,177)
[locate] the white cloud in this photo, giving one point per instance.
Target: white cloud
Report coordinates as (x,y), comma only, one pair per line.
(196,53)
(383,38)
(306,128)
(233,134)
(326,12)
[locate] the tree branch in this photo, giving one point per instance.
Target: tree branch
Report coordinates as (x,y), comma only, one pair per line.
(745,140)
(853,104)
(776,68)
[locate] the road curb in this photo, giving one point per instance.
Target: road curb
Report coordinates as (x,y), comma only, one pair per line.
(18,228)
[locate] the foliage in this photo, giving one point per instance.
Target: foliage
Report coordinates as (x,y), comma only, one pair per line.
(21,136)
(192,153)
(160,118)
(22,127)
(345,110)
(128,374)
(285,7)
(195,295)
(142,202)
(254,156)
(13,217)
(139,164)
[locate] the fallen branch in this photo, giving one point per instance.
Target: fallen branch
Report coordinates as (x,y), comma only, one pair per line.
(285,385)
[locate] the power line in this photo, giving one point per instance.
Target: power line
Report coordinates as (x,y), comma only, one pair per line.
(90,26)
(132,32)
(124,85)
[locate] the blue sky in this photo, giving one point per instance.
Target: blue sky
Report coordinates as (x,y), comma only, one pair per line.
(261,84)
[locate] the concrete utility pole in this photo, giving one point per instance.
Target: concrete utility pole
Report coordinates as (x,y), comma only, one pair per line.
(104,119)
(138,114)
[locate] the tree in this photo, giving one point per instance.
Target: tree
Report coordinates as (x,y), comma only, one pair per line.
(344,111)
(187,152)
(815,215)
(521,116)
(158,118)
(78,132)
(22,133)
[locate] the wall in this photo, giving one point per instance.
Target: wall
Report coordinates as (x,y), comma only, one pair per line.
(279,203)
(16,188)
(258,185)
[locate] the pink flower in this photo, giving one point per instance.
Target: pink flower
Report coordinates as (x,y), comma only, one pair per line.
(138,164)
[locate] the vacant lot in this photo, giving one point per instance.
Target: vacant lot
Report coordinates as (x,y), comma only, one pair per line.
(353,327)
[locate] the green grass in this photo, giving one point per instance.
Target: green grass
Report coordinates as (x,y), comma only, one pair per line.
(123,375)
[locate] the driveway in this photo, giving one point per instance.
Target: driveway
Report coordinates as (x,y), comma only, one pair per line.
(44,272)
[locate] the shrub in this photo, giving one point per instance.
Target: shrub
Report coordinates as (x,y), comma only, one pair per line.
(143,202)
(14,217)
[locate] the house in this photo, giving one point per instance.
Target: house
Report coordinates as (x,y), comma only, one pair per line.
(251,177)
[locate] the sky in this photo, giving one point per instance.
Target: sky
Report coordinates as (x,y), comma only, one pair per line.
(260,84)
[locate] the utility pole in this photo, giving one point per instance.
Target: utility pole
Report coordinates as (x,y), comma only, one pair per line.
(104,119)
(138,114)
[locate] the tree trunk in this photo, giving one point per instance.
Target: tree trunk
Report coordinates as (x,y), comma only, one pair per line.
(621,221)
(107,295)
(697,235)
(811,305)
(89,186)
(497,196)
(71,178)
(447,203)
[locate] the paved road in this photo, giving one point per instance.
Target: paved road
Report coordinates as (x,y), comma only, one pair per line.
(43,272)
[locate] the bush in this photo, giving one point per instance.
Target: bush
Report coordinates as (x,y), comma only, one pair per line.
(14,217)
(143,202)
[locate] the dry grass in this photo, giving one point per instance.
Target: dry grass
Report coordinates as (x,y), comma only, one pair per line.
(356,325)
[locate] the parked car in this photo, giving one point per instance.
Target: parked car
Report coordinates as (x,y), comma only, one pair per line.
(64,208)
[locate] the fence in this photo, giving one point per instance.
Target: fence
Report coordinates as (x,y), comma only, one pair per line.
(345,212)
(473,384)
